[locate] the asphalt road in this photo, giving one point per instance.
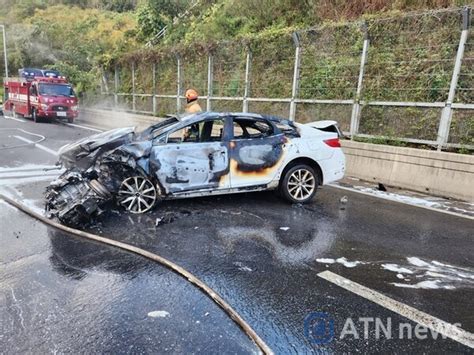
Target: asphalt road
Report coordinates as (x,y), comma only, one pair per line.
(62,294)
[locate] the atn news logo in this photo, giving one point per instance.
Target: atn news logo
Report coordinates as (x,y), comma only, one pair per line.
(320,328)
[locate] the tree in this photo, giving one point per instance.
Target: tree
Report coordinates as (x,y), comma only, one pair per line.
(156,14)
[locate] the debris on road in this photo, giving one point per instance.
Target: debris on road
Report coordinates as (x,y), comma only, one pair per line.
(165,219)
(343,261)
(158,314)
(242,267)
(343,202)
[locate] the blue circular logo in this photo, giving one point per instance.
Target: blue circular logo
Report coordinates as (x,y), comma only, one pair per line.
(319,327)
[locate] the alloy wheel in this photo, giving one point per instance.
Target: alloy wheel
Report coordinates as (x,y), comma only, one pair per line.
(301,184)
(137,194)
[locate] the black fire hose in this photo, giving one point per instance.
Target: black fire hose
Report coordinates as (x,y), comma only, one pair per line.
(159,259)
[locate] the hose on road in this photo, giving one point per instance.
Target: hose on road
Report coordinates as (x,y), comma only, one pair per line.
(159,259)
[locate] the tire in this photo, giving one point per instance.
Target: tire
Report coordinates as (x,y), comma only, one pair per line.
(137,194)
(299,184)
(70,120)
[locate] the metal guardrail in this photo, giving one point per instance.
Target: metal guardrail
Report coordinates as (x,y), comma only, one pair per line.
(358,101)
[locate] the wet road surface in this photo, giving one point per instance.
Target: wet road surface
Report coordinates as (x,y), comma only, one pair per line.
(261,255)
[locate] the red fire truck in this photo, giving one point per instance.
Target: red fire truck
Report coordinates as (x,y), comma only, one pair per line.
(40,98)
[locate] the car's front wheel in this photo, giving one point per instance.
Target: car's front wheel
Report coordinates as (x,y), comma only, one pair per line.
(299,184)
(137,194)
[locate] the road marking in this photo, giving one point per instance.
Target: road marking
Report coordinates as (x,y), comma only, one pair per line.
(433,323)
(40,146)
(84,127)
(24,168)
(403,202)
(16,119)
(22,175)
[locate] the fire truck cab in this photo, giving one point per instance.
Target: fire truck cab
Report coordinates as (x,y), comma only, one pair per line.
(40,97)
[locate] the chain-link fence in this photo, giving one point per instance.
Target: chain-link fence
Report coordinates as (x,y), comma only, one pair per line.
(408,78)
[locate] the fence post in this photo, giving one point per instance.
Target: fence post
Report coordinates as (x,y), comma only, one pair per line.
(248,62)
(355,115)
(101,83)
(134,104)
(104,80)
(116,85)
(296,75)
(210,79)
(153,69)
(179,90)
(446,113)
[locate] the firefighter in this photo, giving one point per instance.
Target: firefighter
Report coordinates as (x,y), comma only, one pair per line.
(192,105)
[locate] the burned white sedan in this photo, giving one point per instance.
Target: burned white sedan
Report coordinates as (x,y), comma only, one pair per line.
(199,155)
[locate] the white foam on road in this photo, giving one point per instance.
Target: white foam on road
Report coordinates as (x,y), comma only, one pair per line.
(326,260)
(342,260)
(423,274)
(417,261)
(396,268)
(400,198)
(242,266)
(158,314)
(430,285)
(435,324)
(440,205)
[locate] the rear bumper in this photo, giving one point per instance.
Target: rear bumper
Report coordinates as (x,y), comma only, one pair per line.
(333,168)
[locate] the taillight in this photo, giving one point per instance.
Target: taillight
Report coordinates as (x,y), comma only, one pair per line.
(333,142)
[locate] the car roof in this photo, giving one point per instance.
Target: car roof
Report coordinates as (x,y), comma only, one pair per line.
(210,114)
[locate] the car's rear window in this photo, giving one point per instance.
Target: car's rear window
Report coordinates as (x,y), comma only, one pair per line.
(287,129)
(245,128)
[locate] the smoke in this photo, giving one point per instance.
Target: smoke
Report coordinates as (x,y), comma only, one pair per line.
(104,113)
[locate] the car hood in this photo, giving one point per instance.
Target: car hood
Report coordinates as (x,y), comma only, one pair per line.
(83,153)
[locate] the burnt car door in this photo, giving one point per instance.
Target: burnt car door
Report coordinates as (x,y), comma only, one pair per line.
(193,157)
(256,152)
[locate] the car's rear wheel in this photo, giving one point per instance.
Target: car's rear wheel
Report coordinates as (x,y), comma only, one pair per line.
(70,120)
(299,184)
(137,194)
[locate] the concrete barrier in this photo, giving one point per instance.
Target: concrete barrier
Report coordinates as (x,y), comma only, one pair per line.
(438,173)
(108,119)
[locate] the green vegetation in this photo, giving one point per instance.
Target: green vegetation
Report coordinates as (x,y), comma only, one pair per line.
(75,39)
(410,57)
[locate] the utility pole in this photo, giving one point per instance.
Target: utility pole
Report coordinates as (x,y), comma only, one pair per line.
(445,122)
(296,75)
(5,50)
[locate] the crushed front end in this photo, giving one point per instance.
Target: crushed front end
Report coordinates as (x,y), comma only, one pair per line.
(81,193)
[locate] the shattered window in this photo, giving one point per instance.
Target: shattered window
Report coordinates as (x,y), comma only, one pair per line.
(238,131)
(250,128)
(205,131)
(287,129)
(212,131)
(188,134)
